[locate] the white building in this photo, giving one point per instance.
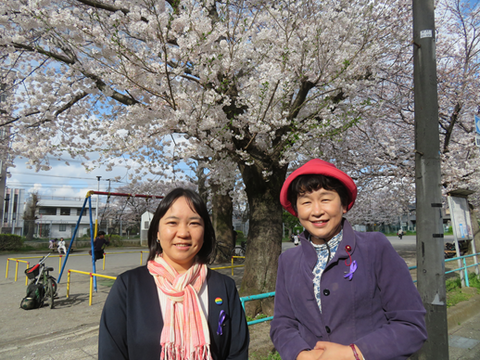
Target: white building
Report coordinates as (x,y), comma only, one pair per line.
(147,217)
(13,208)
(58,218)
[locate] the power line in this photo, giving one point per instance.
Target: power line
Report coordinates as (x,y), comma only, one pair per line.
(57,176)
(49,186)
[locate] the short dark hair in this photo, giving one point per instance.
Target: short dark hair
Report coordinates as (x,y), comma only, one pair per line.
(206,253)
(304,184)
(100,233)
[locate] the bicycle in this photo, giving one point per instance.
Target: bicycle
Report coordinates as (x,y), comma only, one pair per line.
(240,250)
(40,274)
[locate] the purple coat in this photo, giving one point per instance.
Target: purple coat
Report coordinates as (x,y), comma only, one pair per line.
(379,309)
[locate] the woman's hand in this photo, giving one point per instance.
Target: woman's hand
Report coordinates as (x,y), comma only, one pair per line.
(336,351)
(310,354)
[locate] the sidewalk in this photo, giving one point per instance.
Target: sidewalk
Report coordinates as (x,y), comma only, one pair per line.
(70,330)
(464,330)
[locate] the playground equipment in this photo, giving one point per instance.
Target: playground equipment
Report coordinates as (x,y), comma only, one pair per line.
(93,233)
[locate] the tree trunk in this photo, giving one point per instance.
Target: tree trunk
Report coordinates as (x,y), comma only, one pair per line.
(29,227)
(202,188)
(29,216)
(264,241)
(222,212)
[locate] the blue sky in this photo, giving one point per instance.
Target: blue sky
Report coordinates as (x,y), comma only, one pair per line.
(63,180)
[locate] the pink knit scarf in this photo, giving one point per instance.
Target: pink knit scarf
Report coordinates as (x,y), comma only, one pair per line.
(185,333)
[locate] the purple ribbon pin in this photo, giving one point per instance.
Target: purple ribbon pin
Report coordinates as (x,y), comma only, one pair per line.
(353,268)
(221,320)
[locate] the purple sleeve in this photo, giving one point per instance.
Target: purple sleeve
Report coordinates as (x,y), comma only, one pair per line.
(405,331)
(284,326)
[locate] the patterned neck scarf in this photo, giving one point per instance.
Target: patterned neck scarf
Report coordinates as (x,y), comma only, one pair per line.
(322,259)
(185,330)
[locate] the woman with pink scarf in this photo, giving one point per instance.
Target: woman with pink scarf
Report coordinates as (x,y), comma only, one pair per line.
(175,307)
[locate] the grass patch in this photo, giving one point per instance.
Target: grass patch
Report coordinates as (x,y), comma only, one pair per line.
(106,282)
(271,356)
(456,296)
(455,293)
(258,317)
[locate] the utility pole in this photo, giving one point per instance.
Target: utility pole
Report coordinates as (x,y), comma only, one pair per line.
(3,181)
(96,208)
(3,169)
(430,242)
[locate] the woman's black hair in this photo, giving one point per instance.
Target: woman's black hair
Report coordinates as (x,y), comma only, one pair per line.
(304,184)
(206,253)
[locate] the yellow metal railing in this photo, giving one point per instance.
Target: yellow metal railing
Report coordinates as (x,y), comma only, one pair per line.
(21,259)
(231,266)
(16,269)
(91,282)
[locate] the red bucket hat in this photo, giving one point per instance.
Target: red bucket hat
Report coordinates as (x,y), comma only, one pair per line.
(318,167)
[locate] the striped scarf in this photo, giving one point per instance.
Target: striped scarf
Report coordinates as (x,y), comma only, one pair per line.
(185,333)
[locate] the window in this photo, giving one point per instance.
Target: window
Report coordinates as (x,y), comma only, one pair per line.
(44,230)
(62,227)
(15,203)
(64,211)
(7,204)
(47,211)
(79,211)
(146,224)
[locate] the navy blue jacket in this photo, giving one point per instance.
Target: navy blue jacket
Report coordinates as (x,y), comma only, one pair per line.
(132,322)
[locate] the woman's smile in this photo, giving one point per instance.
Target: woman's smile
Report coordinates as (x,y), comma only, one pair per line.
(320,212)
(180,233)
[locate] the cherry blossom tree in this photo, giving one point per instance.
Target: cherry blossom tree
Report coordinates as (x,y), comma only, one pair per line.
(250,83)
(132,208)
(459,99)
(378,152)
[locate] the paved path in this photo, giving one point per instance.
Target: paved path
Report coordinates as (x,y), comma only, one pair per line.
(70,330)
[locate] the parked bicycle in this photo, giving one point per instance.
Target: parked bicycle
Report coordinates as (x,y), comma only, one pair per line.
(42,288)
(240,250)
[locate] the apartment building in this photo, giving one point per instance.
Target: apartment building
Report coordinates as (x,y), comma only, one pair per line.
(57,218)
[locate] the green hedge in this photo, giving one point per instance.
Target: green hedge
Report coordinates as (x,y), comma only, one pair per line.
(10,242)
(115,240)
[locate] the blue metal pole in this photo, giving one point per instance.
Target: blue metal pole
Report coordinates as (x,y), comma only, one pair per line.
(253,322)
(466,273)
(73,237)
(244,299)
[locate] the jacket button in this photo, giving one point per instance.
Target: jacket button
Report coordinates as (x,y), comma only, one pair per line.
(326,292)
(327,329)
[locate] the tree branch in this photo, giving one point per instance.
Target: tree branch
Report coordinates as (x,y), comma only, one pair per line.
(50,54)
(73,101)
(449,129)
(100,5)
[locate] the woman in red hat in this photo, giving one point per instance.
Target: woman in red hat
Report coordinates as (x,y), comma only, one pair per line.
(342,294)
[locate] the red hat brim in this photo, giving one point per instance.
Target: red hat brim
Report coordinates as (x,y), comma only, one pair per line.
(318,167)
